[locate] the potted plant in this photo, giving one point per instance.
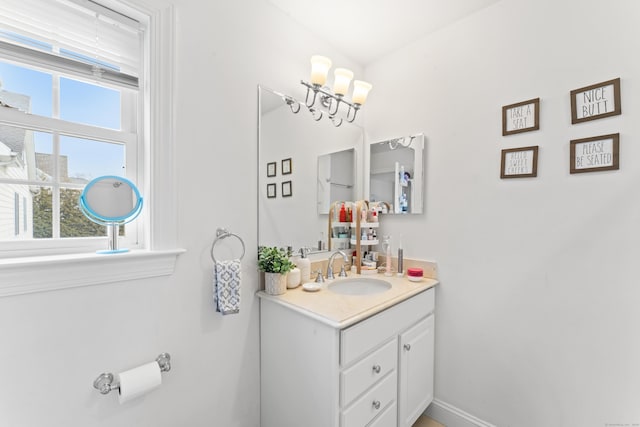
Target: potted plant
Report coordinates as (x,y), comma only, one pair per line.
(276,264)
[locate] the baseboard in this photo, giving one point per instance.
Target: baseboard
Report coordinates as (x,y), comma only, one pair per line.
(451,416)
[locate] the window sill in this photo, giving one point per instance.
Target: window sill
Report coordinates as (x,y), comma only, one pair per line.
(47,273)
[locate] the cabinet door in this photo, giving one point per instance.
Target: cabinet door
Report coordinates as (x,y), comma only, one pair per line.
(415,384)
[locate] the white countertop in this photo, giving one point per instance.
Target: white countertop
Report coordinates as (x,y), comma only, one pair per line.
(341,311)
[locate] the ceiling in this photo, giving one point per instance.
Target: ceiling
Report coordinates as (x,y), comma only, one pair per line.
(365,30)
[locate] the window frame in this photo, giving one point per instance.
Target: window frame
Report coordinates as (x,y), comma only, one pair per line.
(57,127)
(36,271)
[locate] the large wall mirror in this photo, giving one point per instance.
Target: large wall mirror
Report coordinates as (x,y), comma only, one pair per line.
(303,166)
(396,173)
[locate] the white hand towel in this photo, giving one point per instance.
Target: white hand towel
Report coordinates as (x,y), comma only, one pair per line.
(226,286)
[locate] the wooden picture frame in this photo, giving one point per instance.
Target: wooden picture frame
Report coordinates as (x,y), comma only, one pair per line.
(521,117)
(519,162)
(271,191)
(286,166)
(598,153)
(271,169)
(286,189)
(596,101)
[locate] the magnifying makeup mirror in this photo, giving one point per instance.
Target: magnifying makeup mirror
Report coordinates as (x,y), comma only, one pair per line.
(111,201)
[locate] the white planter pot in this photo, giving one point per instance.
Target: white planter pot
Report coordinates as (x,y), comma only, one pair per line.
(275,283)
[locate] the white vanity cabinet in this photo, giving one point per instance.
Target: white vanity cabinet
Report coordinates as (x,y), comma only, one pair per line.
(377,372)
(415,382)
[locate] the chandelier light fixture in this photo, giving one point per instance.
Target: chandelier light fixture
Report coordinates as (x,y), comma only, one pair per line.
(331,99)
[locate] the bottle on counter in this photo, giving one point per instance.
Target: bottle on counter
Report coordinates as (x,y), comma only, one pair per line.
(374,215)
(304,264)
(343,214)
(386,246)
(400,272)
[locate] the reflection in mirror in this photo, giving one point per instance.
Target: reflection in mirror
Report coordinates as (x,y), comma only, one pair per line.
(294,220)
(336,178)
(396,173)
(111,201)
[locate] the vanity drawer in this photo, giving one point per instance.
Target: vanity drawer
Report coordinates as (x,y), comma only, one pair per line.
(362,337)
(389,418)
(372,403)
(367,372)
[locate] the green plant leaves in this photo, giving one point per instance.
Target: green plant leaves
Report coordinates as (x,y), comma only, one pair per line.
(274,260)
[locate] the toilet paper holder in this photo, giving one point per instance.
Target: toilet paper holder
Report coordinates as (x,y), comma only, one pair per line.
(107,381)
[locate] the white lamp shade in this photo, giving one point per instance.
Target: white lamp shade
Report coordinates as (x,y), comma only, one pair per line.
(319,69)
(360,91)
(342,79)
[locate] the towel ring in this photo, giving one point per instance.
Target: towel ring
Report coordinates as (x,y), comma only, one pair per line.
(222,234)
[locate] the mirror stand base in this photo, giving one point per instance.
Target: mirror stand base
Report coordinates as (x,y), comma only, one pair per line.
(113,230)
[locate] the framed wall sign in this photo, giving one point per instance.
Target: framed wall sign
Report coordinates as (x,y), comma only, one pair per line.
(521,117)
(596,101)
(286,166)
(599,153)
(519,162)
(271,191)
(271,169)
(286,189)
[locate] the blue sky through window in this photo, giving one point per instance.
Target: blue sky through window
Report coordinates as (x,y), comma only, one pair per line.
(79,102)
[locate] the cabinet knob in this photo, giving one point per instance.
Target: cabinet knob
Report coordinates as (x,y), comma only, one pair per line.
(376,404)
(376,369)
(407,347)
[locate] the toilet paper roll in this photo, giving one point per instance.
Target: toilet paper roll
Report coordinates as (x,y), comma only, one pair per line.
(138,381)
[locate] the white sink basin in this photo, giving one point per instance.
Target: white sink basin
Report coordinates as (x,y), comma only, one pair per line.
(359,286)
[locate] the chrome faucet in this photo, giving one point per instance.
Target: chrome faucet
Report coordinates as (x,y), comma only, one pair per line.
(342,273)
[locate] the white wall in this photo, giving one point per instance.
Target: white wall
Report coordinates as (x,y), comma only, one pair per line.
(53,345)
(537,313)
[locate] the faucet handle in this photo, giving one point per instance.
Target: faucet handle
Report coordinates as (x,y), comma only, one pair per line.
(343,272)
(319,278)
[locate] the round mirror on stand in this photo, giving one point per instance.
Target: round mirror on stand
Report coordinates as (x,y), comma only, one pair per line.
(111,201)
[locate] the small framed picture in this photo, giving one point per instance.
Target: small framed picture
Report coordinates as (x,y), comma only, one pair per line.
(271,191)
(519,162)
(599,153)
(596,101)
(286,166)
(521,117)
(271,169)
(286,189)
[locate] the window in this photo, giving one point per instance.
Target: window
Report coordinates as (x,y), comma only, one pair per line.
(69,108)
(64,134)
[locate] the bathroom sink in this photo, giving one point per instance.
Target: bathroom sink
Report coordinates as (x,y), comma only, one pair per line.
(359,286)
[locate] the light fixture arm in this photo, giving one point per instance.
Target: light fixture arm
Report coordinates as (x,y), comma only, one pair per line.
(401,142)
(311,89)
(354,108)
(331,101)
(292,103)
(336,122)
(328,99)
(316,114)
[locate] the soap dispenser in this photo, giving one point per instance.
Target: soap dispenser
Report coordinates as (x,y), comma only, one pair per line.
(304,264)
(294,275)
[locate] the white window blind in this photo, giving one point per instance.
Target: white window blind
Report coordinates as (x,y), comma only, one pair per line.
(79,36)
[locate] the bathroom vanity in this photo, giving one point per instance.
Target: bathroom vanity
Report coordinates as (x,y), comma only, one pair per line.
(330,359)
